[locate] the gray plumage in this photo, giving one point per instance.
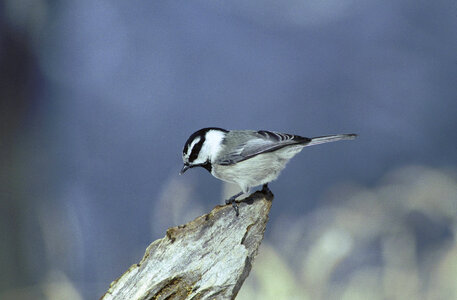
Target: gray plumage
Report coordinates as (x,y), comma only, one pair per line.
(244,144)
(246,157)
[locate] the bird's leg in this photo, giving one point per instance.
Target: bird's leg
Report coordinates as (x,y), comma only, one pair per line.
(266,191)
(231,200)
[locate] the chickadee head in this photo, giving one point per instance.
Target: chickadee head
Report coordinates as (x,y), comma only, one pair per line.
(201,147)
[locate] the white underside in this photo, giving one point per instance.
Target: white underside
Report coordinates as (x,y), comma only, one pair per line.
(258,170)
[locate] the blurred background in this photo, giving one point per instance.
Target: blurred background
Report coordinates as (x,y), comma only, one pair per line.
(98,97)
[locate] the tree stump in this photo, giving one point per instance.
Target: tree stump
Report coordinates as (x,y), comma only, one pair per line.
(207,258)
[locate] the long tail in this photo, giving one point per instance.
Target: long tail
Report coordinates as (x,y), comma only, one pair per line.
(331,138)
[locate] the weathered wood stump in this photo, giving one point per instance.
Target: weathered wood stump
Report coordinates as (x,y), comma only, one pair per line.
(207,258)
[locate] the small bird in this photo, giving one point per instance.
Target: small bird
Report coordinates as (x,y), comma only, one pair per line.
(246,157)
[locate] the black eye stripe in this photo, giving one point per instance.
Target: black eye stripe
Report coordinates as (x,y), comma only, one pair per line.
(196,149)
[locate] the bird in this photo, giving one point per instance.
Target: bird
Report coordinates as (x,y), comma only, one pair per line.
(247,158)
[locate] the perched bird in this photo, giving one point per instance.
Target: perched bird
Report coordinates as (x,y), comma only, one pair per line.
(246,157)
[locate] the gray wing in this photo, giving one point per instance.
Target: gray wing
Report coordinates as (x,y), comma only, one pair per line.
(251,143)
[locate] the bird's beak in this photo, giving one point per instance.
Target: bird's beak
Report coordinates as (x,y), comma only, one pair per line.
(184,169)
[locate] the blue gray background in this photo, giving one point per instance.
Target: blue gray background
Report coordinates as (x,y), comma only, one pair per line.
(98,98)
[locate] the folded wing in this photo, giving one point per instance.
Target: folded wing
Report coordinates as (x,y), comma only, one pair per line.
(253,143)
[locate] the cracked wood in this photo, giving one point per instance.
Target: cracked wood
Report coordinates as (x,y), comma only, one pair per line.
(207,258)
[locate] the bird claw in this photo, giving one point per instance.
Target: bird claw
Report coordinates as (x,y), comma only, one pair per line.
(232,200)
(234,204)
(265,188)
(236,208)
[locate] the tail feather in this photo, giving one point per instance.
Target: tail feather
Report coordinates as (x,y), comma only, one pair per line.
(331,138)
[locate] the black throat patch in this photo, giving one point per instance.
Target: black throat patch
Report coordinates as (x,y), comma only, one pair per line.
(207,165)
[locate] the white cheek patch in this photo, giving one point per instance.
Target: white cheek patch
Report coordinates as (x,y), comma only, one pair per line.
(213,143)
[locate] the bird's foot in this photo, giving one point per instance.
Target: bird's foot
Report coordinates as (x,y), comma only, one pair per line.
(232,200)
(267,192)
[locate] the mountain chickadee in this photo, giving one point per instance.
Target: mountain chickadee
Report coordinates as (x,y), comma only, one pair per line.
(246,157)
